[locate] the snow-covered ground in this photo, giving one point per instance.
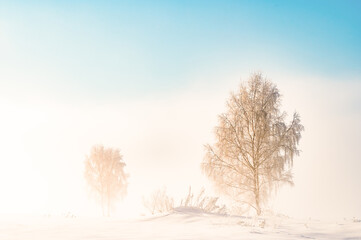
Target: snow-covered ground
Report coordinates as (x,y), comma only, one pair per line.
(183,223)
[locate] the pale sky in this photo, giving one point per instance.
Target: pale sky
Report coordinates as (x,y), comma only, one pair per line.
(151,78)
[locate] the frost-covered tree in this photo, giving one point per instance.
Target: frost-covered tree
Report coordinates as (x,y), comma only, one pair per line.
(105,175)
(254,147)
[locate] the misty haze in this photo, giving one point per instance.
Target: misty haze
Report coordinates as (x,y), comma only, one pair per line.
(180,120)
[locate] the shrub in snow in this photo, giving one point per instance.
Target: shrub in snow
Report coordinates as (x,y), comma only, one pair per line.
(159,202)
(203,202)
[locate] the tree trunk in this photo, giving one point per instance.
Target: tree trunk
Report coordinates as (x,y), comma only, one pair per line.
(259,211)
(102,200)
(108,204)
(256,193)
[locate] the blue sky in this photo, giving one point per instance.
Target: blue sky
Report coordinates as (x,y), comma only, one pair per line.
(144,47)
(150,78)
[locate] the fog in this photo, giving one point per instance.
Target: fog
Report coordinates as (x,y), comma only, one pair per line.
(45,137)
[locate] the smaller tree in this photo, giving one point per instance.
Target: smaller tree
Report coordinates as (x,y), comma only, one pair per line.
(105,175)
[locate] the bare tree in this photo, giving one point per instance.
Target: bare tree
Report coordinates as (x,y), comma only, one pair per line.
(254,147)
(104,172)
